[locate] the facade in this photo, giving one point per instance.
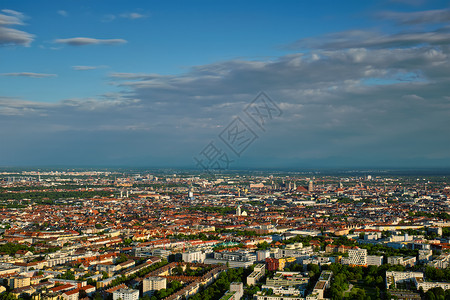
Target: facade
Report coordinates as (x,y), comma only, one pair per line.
(287,279)
(262,255)
(425,255)
(441,262)
(18,282)
(238,289)
(193,256)
(374,260)
(394,277)
(257,273)
(235,259)
(356,257)
(426,285)
(126,294)
(71,295)
(321,285)
(404,261)
(152,284)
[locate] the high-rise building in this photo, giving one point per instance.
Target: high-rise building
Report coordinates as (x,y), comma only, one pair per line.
(311,186)
(152,284)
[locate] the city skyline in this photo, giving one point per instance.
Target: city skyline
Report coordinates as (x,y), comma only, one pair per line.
(108,83)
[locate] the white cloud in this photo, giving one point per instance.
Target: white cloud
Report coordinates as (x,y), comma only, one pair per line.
(86,68)
(11,36)
(83,41)
(132,16)
(62,13)
(417,17)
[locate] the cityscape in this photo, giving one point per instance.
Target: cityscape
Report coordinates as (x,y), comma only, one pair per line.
(128,234)
(224,150)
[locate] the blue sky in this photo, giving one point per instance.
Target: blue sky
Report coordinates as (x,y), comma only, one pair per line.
(147,83)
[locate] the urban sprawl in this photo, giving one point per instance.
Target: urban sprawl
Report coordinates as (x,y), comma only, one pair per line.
(172,235)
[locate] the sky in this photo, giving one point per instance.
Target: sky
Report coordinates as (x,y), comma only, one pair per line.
(225,84)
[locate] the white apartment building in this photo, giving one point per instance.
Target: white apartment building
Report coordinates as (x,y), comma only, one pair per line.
(126,294)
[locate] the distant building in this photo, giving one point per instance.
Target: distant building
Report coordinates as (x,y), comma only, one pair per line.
(236,259)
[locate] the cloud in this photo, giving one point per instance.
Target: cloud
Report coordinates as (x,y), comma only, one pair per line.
(355,98)
(132,16)
(418,17)
(368,39)
(29,74)
(11,36)
(86,68)
(83,41)
(62,13)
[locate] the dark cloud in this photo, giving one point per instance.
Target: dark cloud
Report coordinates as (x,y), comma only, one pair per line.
(29,74)
(83,41)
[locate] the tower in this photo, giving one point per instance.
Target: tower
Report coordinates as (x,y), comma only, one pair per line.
(191,194)
(310,186)
(238,211)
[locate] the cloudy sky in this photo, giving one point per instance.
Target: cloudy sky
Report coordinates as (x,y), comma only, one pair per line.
(171,83)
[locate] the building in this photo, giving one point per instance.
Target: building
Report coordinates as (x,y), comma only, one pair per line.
(441,262)
(18,282)
(257,273)
(426,285)
(395,277)
(261,255)
(321,285)
(126,294)
(374,260)
(71,295)
(425,255)
(234,259)
(193,256)
(272,264)
(152,284)
(356,257)
(310,186)
(235,292)
(287,279)
(404,261)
